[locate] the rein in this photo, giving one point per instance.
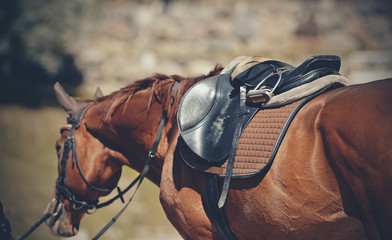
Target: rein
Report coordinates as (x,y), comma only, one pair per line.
(77,204)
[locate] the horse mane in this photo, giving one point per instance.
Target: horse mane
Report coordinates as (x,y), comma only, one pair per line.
(156,84)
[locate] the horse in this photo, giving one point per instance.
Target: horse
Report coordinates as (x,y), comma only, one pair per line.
(331,178)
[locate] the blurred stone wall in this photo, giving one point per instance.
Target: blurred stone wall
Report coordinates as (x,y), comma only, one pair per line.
(113,43)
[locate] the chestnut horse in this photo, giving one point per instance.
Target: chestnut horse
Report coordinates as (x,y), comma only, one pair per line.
(331,179)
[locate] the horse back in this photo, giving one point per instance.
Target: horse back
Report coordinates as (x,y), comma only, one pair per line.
(355,123)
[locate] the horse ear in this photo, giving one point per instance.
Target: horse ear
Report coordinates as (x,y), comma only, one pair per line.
(98,93)
(70,105)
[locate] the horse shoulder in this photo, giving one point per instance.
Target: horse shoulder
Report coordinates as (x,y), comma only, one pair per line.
(181,196)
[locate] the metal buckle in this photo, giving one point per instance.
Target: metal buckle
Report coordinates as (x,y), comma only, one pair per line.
(92,211)
(151,155)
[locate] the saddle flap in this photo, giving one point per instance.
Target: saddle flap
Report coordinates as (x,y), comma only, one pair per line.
(207,116)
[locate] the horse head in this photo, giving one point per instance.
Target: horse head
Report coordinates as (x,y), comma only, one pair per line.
(104,134)
(86,169)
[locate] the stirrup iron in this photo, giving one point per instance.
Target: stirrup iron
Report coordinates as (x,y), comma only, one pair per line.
(259,96)
(263,94)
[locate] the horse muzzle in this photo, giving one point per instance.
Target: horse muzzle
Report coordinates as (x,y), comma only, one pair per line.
(60,221)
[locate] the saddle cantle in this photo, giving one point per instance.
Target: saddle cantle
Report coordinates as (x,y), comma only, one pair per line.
(208,112)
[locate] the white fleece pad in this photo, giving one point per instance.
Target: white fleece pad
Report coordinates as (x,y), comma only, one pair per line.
(306,90)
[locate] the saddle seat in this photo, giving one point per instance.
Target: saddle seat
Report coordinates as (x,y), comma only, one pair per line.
(209,110)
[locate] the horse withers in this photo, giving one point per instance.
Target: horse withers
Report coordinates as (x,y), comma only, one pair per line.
(330,178)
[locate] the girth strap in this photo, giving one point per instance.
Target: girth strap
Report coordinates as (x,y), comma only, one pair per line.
(216,215)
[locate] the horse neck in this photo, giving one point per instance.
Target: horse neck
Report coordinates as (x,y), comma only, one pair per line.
(131,131)
(133,124)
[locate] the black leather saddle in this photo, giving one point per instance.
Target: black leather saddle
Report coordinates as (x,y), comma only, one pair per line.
(213,113)
(209,110)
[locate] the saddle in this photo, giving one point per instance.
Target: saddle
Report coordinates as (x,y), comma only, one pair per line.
(209,111)
(237,110)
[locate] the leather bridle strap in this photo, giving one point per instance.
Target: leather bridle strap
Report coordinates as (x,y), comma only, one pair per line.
(147,166)
(61,181)
(75,160)
(61,185)
(119,195)
(71,138)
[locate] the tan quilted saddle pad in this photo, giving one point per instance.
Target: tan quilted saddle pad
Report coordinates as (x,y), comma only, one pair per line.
(255,146)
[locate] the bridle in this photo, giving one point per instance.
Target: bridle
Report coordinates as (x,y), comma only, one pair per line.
(61,183)
(63,190)
(79,204)
(76,202)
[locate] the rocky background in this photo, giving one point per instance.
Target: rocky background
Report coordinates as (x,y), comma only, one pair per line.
(111,43)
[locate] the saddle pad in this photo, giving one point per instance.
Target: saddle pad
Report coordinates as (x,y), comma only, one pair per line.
(255,146)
